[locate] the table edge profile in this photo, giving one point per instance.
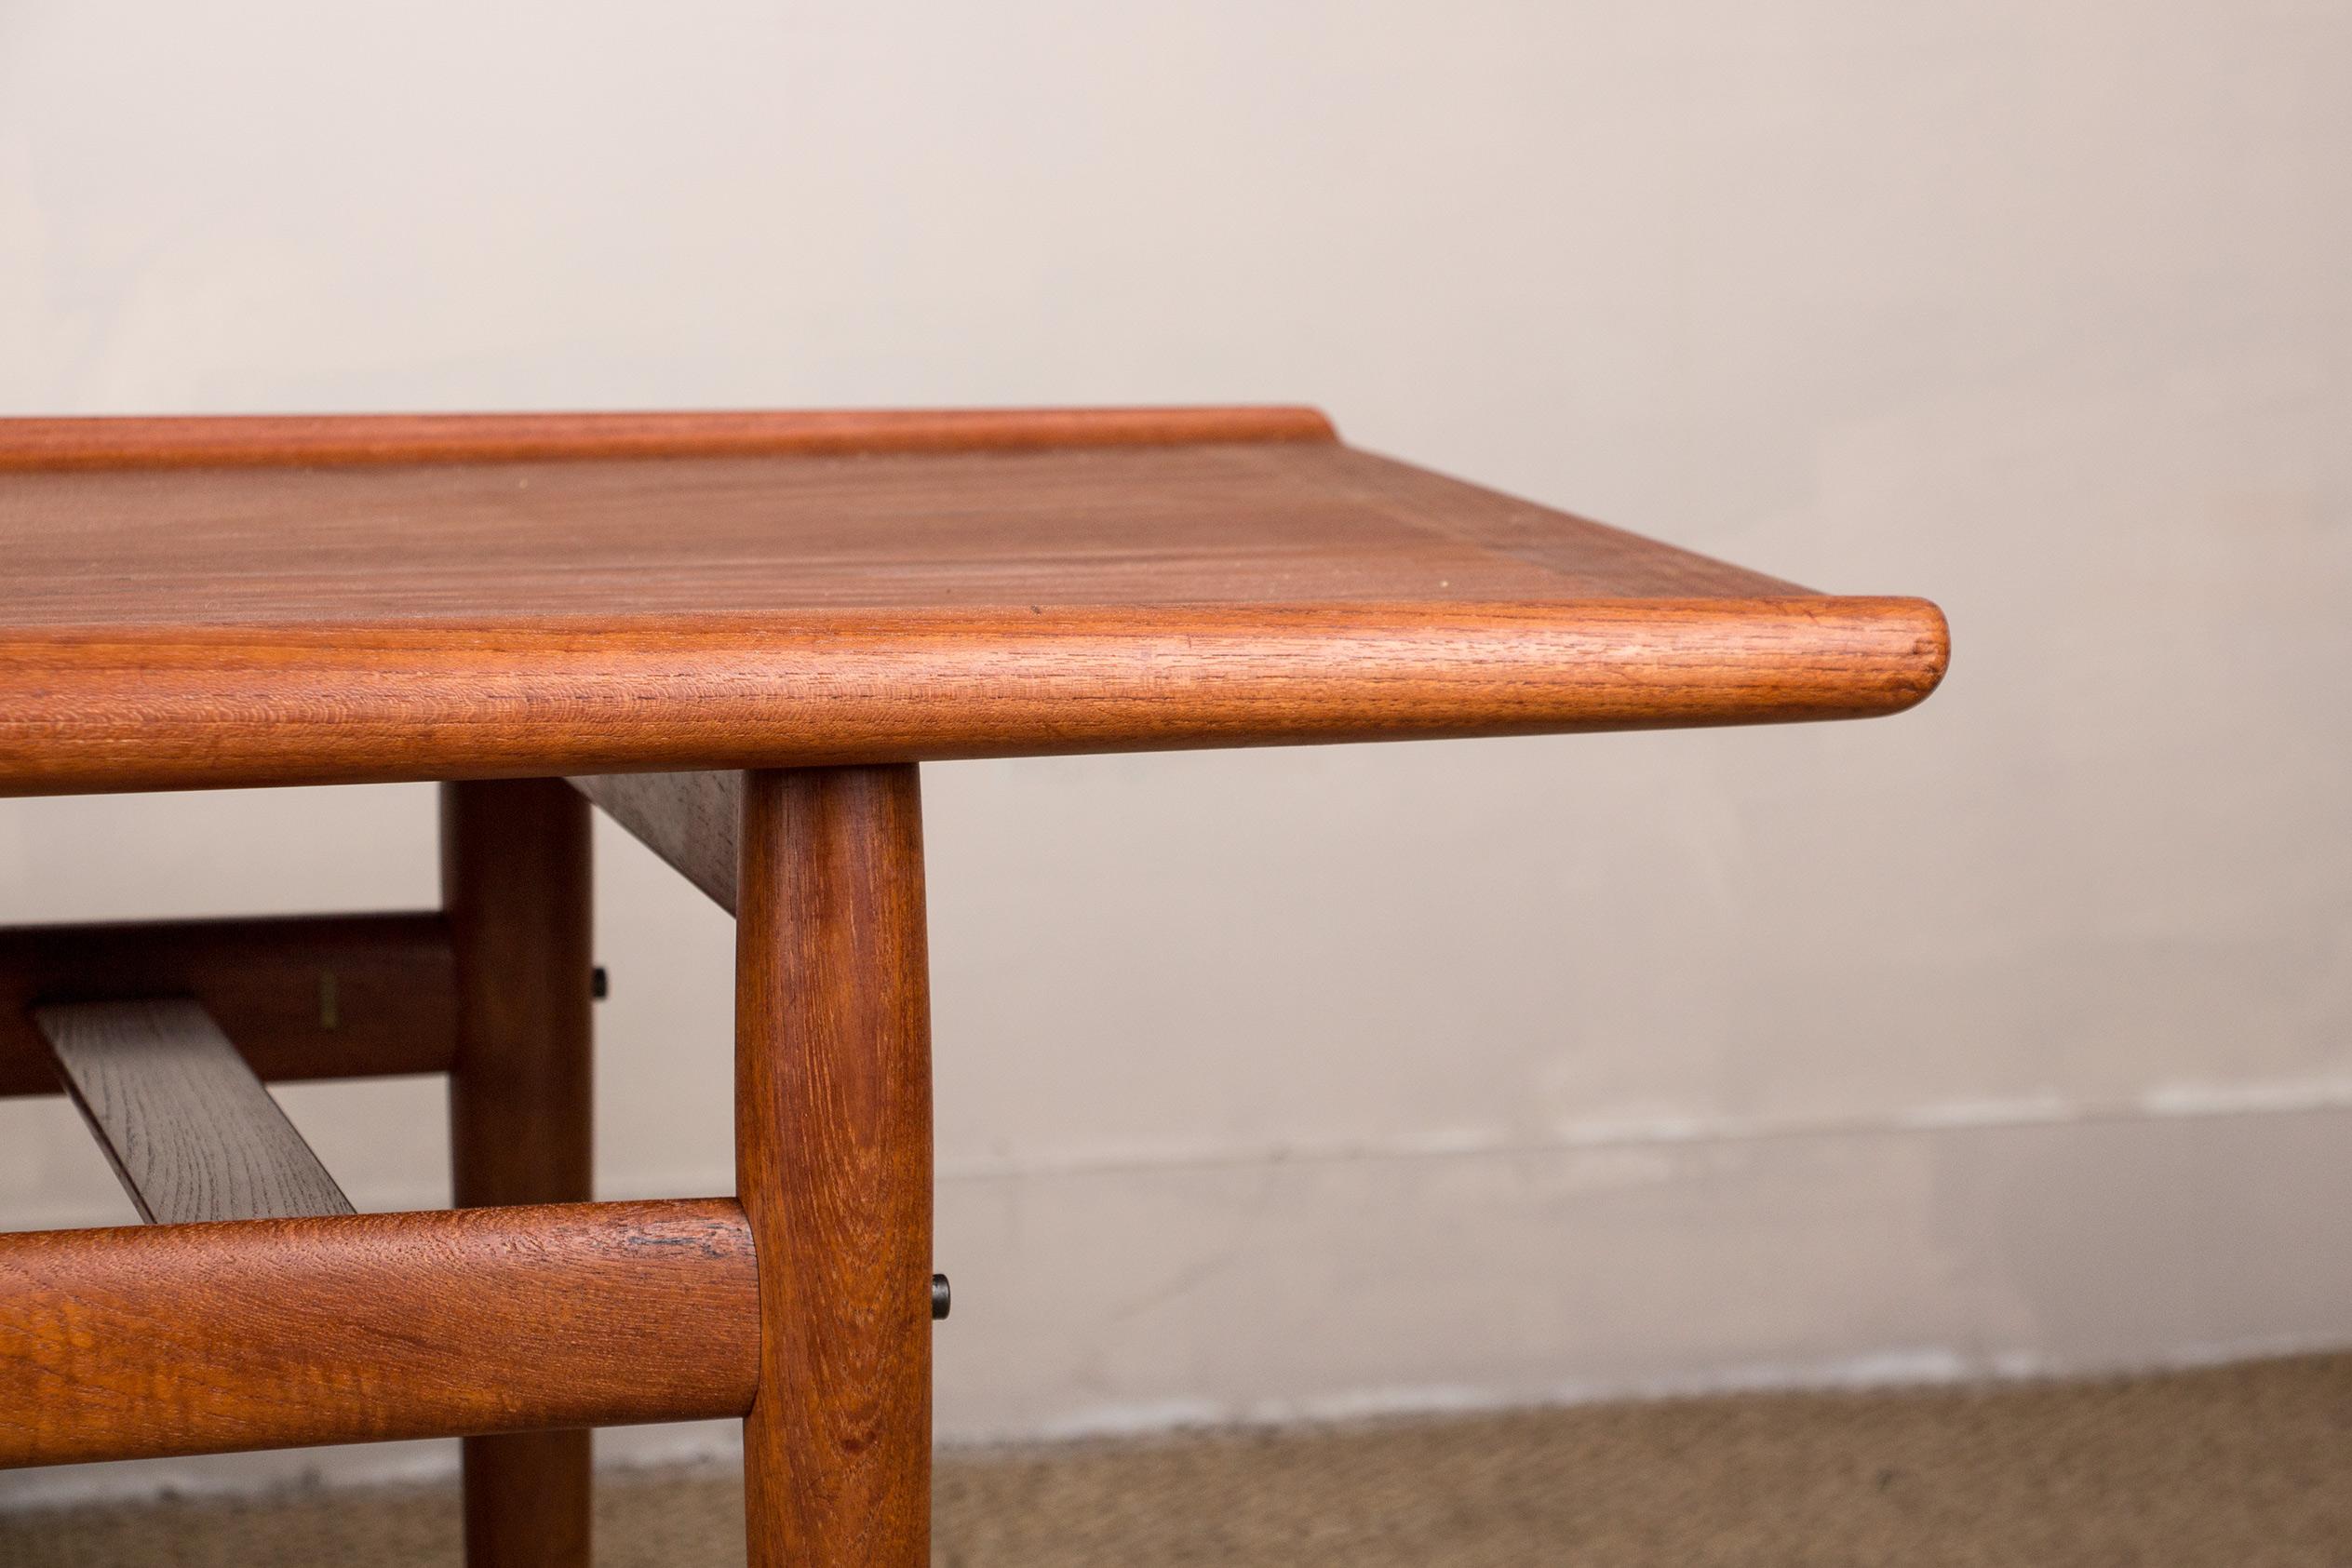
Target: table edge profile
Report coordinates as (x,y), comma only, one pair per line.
(91,711)
(150,441)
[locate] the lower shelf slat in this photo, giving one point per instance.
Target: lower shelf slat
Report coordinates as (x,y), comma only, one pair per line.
(187,1126)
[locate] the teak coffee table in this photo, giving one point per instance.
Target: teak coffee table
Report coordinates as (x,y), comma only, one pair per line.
(737,633)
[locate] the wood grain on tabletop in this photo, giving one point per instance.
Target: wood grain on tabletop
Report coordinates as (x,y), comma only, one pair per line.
(1052,583)
(191,1132)
(833,1164)
(159,1340)
(303,997)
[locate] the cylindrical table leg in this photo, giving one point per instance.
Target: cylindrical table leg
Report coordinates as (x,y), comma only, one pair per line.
(833,1165)
(514,880)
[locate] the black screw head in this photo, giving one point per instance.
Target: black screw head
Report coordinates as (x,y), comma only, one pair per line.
(938,1296)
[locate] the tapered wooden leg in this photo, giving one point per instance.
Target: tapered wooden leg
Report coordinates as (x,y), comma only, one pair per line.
(833,1165)
(515,879)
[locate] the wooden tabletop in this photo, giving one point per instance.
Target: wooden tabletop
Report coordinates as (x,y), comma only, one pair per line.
(208,602)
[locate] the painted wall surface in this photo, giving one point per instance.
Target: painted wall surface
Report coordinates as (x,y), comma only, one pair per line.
(2011,1035)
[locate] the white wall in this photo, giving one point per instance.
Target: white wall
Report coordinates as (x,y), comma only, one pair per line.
(2007,1036)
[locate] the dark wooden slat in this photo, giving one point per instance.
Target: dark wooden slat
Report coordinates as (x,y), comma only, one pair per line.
(186,1125)
(141,1342)
(833,1164)
(691,820)
(305,996)
(515,879)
